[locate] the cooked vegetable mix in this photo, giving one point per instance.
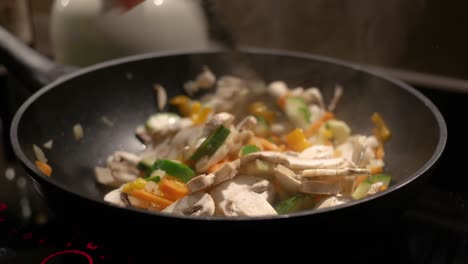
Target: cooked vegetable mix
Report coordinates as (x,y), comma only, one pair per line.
(238,151)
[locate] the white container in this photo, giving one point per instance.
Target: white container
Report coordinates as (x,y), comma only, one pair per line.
(85,32)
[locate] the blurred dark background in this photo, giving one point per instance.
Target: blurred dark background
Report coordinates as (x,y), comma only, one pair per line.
(427,36)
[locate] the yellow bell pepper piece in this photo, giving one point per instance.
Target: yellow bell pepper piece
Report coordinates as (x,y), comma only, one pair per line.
(381,130)
(260,109)
(192,109)
(183,103)
(134,185)
(328,134)
(296,140)
(178,100)
(201,116)
(196,107)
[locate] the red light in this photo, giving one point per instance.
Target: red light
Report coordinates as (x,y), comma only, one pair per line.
(3,207)
(68,244)
(41,241)
(91,246)
(26,236)
(2,219)
(77,252)
(12,232)
(102,257)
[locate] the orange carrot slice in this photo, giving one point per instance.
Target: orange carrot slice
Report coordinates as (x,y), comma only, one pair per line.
(158,202)
(173,189)
(44,167)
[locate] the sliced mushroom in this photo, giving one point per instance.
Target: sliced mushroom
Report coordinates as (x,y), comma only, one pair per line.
(200,182)
(277,89)
(295,163)
(334,172)
(196,204)
(317,152)
(247,123)
(320,187)
(375,188)
(225,191)
(313,95)
(206,79)
(332,201)
(161,96)
(104,176)
(161,125)
(259,168)
(247,203)
(346,149)
(123,166)
(278,128)
(375,163)
(359,149)
(143,134)
(336,98)
(115,197)
(191,87)
(287,179)
(298,91)
(224,173)
(229,87)
(219,119)
(227,171)
(124,177)
(302,164)
(135,202)
(265,189)
(236,140)
(127,157)
(347,184)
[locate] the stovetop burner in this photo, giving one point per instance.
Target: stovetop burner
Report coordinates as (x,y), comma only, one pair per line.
(433,230)
(30,232)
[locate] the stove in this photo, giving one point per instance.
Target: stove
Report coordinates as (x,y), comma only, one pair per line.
(433,230)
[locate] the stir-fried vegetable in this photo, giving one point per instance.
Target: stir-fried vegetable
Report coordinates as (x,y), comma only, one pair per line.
(362,189)
(298,111)
(233,152)
(260,110)
(314,128)
(157,121)
(178,170)
(211,144)
(296,140)
(173,190)
(247,149)
(383,178)
(288,206)
(262,128)
(381,130)
(135,185)
(379,182)
(159,202)
(44,167)
(339,129)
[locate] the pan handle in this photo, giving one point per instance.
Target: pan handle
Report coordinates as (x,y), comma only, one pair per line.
(30,67)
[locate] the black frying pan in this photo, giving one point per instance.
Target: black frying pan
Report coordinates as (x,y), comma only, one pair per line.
(122,91)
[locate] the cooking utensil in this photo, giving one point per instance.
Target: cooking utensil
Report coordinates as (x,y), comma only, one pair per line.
(122,91)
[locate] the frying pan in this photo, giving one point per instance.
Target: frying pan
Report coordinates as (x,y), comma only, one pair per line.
(121,90)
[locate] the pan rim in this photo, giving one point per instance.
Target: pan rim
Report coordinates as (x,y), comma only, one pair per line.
(36,175)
